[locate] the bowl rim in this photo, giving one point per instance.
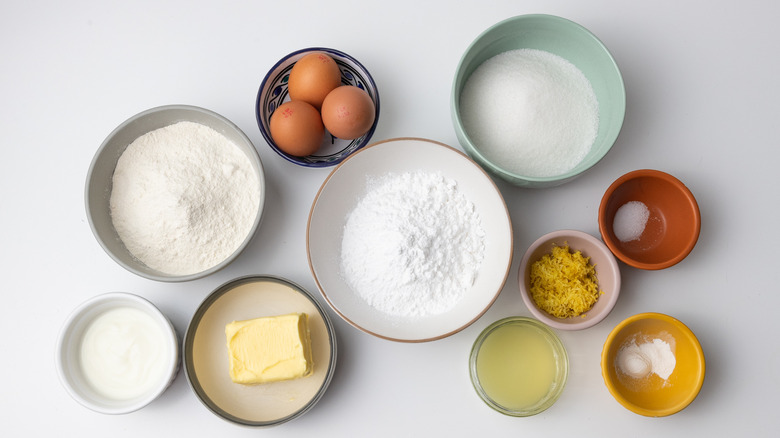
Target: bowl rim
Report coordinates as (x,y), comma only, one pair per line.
(557,344)
(619,397)
(252,155)
(333,306)
(192,327)
(65,339)
(532,181)
(266,133)
(615,247)
(613,271)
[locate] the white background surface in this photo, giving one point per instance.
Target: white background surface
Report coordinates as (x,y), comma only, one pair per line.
(703,93)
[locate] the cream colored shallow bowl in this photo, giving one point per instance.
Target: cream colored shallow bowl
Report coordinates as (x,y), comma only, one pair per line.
(343,189)
(205,354)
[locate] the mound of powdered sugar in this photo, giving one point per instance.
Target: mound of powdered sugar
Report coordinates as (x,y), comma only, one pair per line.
(413,245)
(184,198)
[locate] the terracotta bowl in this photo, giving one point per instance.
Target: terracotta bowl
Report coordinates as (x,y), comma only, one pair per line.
(672,227)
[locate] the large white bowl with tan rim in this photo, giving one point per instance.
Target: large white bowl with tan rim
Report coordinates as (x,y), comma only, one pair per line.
(340,193)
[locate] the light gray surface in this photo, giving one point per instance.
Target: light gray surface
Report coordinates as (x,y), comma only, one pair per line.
(703,96)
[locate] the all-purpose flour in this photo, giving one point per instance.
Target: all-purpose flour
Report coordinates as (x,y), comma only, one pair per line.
(413,245)
(184,198)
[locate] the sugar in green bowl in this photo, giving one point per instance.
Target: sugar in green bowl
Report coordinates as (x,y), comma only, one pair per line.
(571,42)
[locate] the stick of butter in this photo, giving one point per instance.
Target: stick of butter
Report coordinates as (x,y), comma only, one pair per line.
(269,349)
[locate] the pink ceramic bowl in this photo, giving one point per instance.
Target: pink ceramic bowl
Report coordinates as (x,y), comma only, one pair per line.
(607,273)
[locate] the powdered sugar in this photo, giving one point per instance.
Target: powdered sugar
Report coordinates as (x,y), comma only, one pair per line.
(184,198)
(413,244)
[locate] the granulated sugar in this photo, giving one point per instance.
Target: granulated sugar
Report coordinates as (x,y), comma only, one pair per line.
(413,245)
(630,221)
(530,112)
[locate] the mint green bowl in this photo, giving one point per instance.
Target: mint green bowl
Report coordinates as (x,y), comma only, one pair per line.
(568,40)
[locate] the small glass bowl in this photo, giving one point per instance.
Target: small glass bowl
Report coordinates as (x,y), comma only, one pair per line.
(560,373)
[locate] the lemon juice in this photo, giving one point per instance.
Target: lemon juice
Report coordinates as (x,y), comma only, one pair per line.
(516,366)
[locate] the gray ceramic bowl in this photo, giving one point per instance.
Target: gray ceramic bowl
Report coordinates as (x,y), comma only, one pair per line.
(99,181)
(273,92)
(568,40)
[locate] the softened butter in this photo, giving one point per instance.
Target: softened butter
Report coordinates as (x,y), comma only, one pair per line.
(269,349)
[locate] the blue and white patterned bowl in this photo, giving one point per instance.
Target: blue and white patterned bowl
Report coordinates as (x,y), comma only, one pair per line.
(273,92)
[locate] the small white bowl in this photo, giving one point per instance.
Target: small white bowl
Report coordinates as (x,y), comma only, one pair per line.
(68,353)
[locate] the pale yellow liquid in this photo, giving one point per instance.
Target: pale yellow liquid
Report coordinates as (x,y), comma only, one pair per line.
(516,366)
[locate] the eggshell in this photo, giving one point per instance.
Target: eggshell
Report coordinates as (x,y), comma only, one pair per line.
(296,128)
(348,112)
(313,77)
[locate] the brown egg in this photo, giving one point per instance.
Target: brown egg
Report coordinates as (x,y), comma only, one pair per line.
(313,77)
(348,112)
(296,128)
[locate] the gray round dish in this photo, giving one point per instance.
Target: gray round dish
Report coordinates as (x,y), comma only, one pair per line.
(99,181)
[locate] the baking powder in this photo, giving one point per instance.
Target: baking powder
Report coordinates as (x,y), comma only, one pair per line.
(184,198)
(630,221)
(413,245)
(641,359)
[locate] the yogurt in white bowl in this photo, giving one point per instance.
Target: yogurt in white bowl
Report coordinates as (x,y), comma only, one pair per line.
(117,353)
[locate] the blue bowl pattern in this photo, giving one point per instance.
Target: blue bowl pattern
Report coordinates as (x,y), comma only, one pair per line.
(273,92)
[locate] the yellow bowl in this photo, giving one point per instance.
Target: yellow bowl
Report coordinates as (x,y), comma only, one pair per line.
(653,396)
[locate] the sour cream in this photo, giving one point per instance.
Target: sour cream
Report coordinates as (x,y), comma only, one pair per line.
(124,353)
